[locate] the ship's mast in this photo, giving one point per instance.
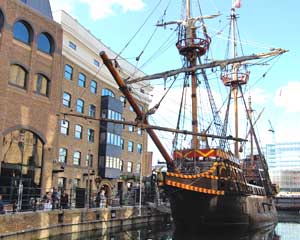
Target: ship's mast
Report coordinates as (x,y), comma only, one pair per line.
(235,86)
(235,77)
(191,47)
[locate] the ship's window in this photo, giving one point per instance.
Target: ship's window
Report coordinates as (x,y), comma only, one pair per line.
(18,76)
(45,43)
(107,92)
(41,85)
(22,31)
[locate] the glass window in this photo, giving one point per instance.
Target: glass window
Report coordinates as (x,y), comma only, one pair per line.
(139,131)
(67,99)
(81,80)
(96,63)
(18,76)
(89,160)
(63,152)
(93,87)
(122,143)
(131,108)
(45,43)
(80,105)
(130,146)
(107,92)
(139,148)
(78,131)
(91,135)
(121,165)
(129,167)
(130,128)
(41,85)
(138,168)
(92,111)
(22,32)
(1,20)
(123,100)
(64,127)
(76,158)
(72,45)
(123,119)
(68,72)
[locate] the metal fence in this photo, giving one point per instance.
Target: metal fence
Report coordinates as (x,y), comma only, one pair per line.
(31,199)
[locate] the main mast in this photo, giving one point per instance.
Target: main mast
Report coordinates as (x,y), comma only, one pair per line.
(191,47)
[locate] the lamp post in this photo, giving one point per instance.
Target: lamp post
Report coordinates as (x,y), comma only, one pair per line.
(21,141)
(88,183)
(141,180)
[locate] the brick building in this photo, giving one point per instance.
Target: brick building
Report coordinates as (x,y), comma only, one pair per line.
(30,73)
(51,77)
(90,151)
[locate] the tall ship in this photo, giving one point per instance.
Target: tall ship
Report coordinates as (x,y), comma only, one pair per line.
(210,183)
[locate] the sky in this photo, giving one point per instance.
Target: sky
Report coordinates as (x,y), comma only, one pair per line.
(262,25)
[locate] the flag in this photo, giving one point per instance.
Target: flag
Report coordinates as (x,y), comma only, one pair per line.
(237,3)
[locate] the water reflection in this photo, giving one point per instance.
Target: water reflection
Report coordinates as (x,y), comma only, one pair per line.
(287,229)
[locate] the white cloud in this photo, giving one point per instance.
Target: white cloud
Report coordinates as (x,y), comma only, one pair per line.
(99,8)
(288,97)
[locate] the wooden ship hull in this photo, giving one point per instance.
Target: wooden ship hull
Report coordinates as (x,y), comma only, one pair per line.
(196,212)
(217,198)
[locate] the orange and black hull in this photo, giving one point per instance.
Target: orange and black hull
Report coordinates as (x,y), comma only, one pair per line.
(199,212)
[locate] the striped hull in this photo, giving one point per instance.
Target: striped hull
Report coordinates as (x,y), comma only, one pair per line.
(195,211)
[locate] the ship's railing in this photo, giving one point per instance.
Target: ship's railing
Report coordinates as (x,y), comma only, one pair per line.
(257,190)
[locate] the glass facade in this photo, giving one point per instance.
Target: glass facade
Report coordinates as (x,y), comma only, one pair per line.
(284,165)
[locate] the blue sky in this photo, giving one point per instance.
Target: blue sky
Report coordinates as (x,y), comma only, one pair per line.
(262,24)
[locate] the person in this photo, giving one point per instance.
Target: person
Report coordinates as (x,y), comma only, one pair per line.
(2,211)
(55,198)
(64,200)
(102,199)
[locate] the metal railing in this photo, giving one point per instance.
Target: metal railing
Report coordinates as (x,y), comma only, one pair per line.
(34,200)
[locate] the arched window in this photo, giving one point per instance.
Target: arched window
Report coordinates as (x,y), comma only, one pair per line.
(64,127)
(41,84)
(18,76)
(67,99)
(93,87)
(107,92)
(81,80)
(45,43)
(22,32)
(1,20)
(80,105)
(23,155)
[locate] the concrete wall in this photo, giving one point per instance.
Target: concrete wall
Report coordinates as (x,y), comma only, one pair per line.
(42,224)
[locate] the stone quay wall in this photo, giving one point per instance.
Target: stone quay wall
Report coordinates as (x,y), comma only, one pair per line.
(44,224)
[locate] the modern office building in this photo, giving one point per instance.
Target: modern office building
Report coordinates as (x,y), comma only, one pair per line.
(53,90)
(284,165)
